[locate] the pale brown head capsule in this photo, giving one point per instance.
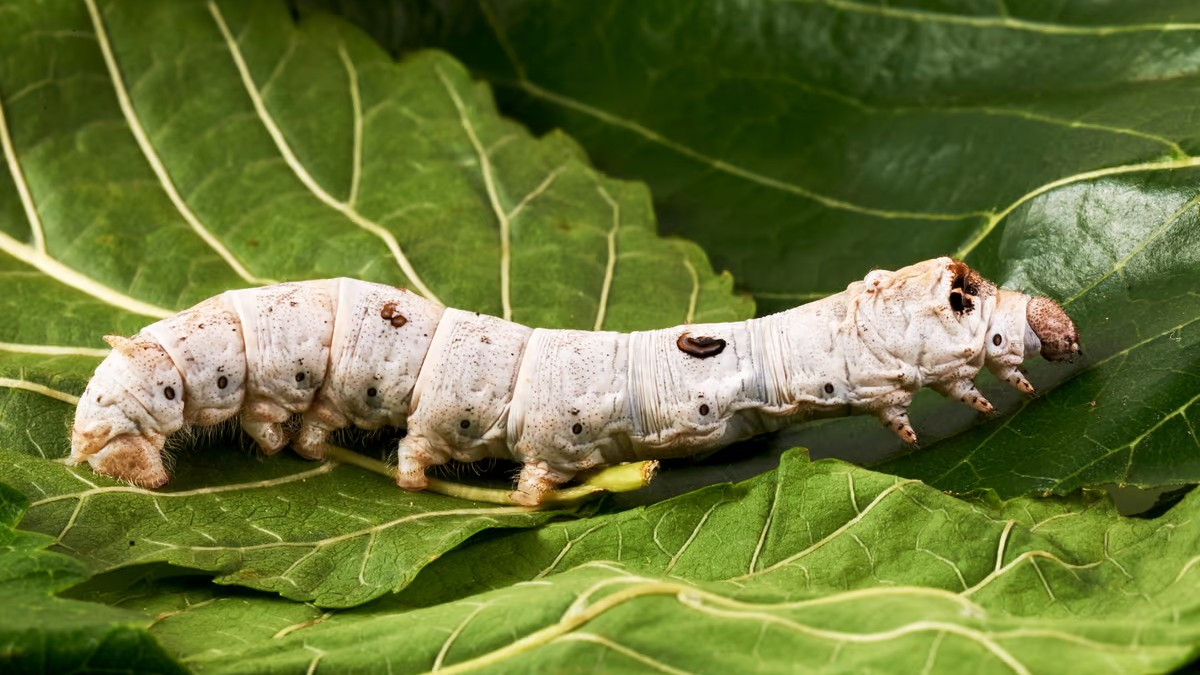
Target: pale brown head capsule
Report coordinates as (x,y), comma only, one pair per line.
(128,409)
(1059,337)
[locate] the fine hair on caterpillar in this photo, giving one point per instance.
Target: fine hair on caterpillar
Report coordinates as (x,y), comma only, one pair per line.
(295,362)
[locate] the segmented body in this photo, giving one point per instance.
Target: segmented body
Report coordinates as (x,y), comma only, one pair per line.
(344,352)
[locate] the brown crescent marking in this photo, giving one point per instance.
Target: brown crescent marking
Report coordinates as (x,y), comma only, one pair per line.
(700,347)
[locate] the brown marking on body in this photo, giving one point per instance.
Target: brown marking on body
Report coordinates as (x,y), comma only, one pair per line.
(391,315)
(965,286)
(701,347)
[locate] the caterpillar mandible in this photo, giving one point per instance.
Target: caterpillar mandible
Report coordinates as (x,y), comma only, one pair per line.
(343,352)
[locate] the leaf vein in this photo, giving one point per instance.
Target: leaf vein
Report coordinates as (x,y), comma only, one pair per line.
(489,184)
(151,154)
(994,219)
(610,264)
(727,167)
(298,168)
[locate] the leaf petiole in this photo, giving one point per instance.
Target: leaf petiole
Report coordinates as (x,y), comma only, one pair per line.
(620,478)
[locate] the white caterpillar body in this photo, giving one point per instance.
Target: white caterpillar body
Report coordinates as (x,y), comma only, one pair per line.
(343,352)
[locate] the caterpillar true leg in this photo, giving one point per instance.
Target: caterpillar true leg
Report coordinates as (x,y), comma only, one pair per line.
(896,419)
(964,390)
(1014,376)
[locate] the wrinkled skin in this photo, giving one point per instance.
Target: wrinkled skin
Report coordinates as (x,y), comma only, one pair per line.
(935,323)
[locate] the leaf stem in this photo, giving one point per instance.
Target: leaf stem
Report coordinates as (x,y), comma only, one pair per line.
(619,478)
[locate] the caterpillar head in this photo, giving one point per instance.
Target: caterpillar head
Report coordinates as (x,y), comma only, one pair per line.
(938,334)
(1053,328)
(133,401)
(1021,327)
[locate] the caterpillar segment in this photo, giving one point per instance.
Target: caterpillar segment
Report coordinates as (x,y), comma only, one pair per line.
(468,386)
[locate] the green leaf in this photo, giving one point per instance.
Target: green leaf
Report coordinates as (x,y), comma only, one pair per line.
(332,534)
(42,633)
(1051,145)
(157,155)
(819,565)
(846,135)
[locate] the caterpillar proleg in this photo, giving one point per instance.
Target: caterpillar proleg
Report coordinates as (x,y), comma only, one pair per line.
(343,352)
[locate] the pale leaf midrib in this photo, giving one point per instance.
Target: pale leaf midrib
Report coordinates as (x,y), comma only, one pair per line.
(708,602)
(1171,146)
(18,177)
(1001,22)
(727,167)
(37,256)
(610,263)
(125,102)
(37,388)
(216,489)
(994,219)
(59,272)
(489,184)
(1180,158)
(335,539)
(346,208)
(52,350)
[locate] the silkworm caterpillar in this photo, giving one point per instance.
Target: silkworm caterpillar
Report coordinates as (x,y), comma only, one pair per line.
(343,352)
